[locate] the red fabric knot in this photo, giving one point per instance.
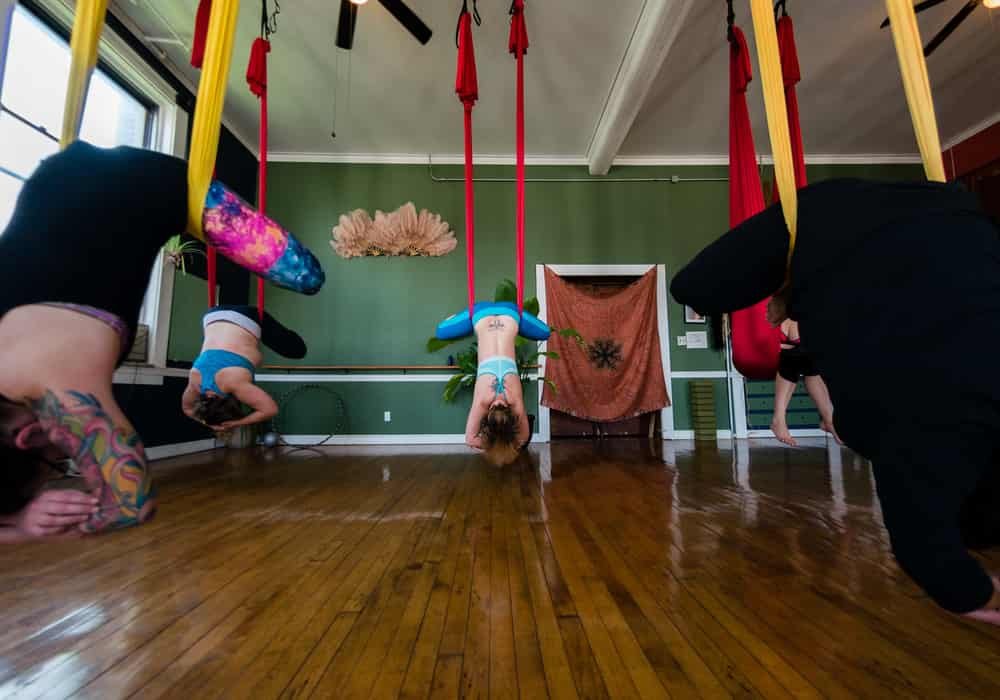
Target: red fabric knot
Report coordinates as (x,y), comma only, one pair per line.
(740,68)
(518,43)
(789,54)
(257,68)
(200,32)
(466,80)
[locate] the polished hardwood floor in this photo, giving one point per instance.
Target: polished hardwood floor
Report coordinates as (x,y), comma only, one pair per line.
(620,569)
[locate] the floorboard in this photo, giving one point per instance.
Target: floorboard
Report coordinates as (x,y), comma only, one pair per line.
(612,569)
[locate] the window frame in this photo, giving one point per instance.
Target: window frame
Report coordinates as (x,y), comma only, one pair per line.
(165,132)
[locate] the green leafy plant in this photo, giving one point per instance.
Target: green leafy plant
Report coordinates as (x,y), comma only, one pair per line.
(177,249)
(526,352)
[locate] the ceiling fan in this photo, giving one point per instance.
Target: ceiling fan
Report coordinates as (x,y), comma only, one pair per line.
(967,9)
(348,21)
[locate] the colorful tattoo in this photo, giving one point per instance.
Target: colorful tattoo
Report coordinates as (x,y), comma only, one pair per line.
(257,243)
(111,460)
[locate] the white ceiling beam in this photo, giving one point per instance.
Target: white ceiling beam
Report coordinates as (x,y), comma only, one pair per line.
(659,24)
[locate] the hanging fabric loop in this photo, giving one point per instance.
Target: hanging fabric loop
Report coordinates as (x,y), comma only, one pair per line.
(755,344)
(257,68)
(257,82)
(465,11)
(791,74)
(467,89)
(518,45)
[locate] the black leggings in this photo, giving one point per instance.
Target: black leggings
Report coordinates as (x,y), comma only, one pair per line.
(980,515)
(273,334)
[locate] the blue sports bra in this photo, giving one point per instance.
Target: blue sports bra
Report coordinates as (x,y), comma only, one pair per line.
(211,362)
(499,367)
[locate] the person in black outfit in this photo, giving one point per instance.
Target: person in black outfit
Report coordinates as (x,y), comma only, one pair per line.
(895,285)
(74,266)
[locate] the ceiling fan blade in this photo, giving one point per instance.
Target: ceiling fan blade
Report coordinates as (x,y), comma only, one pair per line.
(408,19)
(918,8)
(951,26)
(347,23)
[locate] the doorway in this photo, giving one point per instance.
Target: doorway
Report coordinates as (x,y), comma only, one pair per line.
(608,279)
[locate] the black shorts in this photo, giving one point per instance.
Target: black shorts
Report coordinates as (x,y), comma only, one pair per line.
(795,363)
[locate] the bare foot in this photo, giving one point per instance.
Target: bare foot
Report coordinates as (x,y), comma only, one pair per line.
(781,432)
(827,427)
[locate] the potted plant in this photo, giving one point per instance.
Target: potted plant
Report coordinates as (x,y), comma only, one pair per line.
(177,250)
(526,351)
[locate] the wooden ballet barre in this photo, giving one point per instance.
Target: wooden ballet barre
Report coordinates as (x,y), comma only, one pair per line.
(360,368)
(367,368)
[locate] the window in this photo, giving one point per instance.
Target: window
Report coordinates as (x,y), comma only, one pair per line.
(128,104)
(33,91)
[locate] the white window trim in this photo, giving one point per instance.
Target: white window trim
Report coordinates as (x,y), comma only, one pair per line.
(169,134)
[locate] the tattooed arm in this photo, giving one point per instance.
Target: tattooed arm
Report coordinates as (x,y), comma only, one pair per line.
(110,457)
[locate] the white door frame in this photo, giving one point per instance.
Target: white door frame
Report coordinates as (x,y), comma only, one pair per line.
(662,318)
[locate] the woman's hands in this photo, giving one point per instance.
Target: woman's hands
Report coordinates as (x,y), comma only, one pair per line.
(55,512)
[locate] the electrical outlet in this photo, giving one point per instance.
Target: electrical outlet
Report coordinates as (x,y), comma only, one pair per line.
(682,341)
(388,417)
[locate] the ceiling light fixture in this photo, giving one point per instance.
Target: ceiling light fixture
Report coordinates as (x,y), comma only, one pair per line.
(991,4)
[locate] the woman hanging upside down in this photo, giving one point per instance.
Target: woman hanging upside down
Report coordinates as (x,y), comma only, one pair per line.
(888,283)
(794,363)
(221,379)
(498,423)
(74,267)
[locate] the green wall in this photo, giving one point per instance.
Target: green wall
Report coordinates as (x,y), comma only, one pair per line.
(375,311)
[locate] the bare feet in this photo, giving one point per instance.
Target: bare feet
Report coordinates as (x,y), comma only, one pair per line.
(991,613)
(780,429)
(827,427)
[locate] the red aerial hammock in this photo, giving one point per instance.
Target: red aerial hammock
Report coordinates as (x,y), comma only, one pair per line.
(200,32)
(756,344)
(257,82)
(792,74)
(461,325)
(467,88)
(518,45)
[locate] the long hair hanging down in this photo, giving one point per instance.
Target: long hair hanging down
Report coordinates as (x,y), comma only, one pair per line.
(498,430)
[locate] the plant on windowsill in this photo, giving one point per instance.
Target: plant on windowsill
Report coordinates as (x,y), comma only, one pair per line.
(526,351)
(177,249)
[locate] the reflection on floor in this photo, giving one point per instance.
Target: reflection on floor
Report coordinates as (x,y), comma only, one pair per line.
(614,569)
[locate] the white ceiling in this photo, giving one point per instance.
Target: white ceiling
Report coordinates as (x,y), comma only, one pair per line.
(851,96)
(397,97)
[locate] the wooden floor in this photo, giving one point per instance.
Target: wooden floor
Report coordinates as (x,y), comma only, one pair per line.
(589,571)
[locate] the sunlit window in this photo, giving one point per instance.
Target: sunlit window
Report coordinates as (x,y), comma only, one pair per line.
(32,94)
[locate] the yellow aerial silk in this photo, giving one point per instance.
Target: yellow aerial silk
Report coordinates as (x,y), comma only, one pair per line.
(87,25)
(769,57)
(912,65)
(208,110)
